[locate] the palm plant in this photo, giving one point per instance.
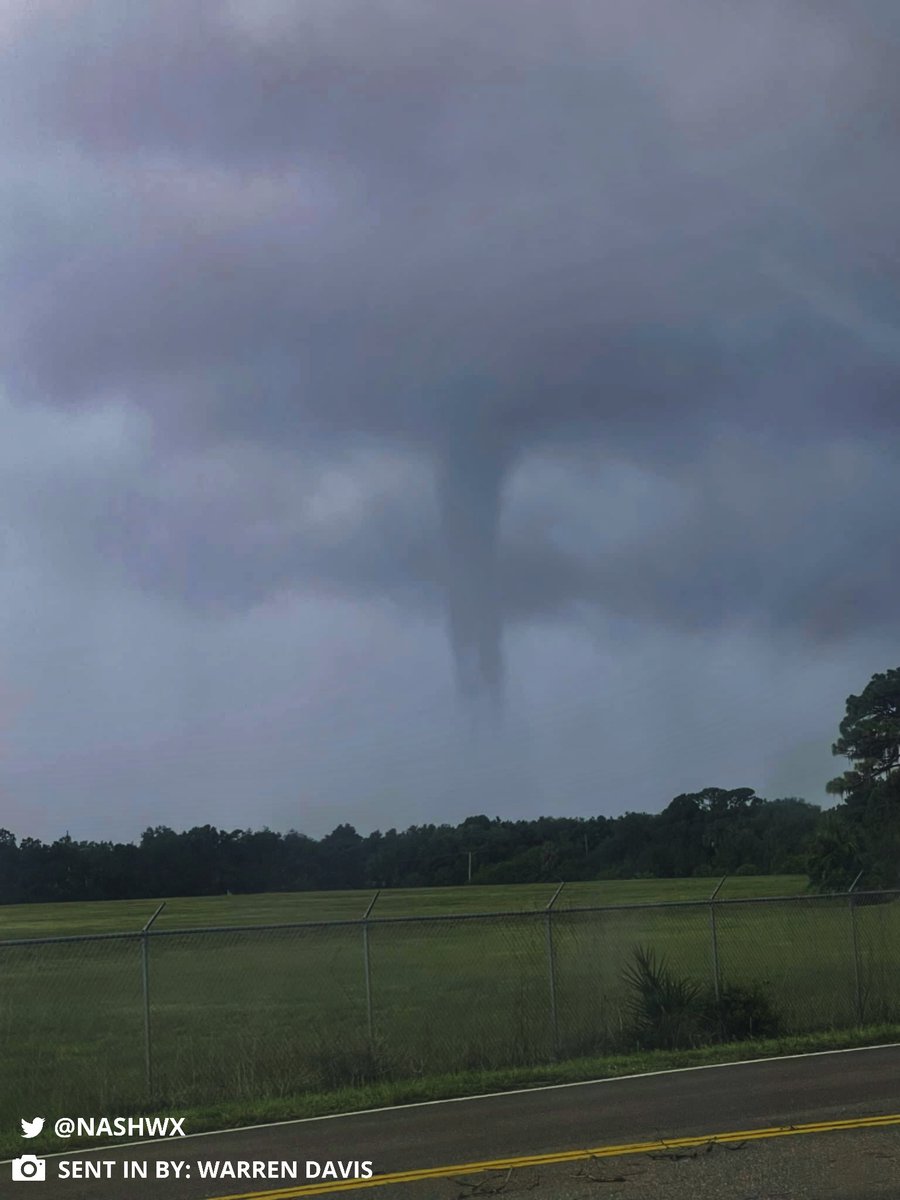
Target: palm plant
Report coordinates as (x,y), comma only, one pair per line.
(665,1010)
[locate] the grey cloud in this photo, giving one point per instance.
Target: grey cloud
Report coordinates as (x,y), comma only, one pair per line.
(786,540)
(474,240)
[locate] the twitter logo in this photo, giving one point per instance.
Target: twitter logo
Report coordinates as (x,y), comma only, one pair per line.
(31,1129)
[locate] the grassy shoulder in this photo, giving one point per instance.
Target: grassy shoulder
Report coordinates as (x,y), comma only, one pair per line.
(234,1114)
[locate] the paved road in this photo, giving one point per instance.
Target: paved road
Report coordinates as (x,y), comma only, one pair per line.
(859,1163)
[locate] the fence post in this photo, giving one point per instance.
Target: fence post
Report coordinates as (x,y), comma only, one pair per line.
(145,977)
(854,942)
(714,935)
(551,972)
(367,966)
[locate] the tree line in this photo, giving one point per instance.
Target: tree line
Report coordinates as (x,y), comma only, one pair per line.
(715,831)
(707,833)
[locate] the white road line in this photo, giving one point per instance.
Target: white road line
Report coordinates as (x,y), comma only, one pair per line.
(544,1087)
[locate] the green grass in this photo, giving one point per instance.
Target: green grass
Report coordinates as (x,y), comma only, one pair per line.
(249,1018)
(116,916)
(232,1114)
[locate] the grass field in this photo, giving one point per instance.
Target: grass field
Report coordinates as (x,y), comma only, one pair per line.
(242,1015)
(118,916)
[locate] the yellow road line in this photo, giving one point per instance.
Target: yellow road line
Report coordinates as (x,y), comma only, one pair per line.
(322,1187)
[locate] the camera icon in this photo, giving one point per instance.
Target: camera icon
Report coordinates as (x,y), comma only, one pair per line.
(29,1167)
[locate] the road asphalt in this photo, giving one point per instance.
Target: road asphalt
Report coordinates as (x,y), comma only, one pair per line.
(475,1147)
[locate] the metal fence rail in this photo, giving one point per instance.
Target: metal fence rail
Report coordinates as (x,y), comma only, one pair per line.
(110,1021)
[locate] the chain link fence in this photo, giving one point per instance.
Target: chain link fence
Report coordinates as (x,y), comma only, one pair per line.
(114,1023)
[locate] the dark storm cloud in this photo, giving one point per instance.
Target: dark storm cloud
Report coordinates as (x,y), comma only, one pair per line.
(473,235)
(785,540)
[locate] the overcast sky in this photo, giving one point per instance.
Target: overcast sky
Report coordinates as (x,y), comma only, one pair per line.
(414,409)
